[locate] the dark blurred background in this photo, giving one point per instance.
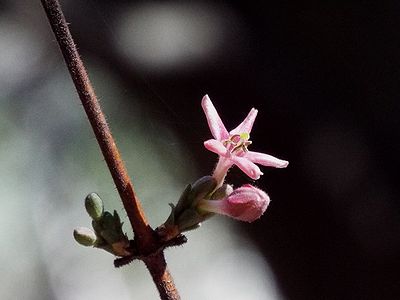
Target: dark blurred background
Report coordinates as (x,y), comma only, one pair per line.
(324,77)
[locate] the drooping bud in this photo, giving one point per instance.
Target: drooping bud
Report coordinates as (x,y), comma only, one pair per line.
(85,236)
(246,203)
(94,206)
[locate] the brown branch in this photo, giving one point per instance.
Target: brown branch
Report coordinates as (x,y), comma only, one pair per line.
(145,238)
(161,277)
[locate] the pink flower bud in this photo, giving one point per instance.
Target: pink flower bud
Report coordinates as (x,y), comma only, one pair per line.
(246,203)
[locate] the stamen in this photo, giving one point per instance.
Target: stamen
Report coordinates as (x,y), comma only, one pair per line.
(238,141)
(236,138)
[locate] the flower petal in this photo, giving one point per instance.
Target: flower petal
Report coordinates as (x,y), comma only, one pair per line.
(216,147)
(266,160)
(247,123)
(247,203)
(248,167)
(217,128)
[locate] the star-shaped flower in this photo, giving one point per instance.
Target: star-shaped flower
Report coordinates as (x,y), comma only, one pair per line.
(232,146)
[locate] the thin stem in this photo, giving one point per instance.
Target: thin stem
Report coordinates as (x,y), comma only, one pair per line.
(144,234)
(97,120)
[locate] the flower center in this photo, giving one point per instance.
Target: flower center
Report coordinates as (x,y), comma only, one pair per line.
(237,143)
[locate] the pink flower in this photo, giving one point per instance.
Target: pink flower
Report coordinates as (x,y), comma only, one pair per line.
(232,146)
(246,203)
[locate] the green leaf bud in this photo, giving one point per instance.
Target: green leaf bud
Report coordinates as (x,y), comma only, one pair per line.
(94,206)
(85,236)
